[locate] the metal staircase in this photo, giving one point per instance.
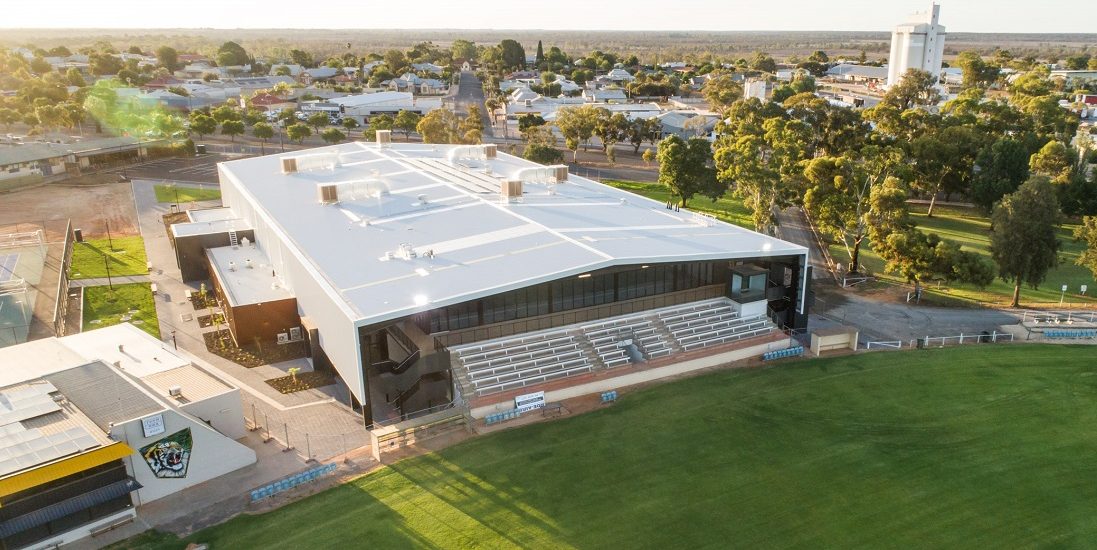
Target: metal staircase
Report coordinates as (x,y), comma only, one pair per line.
(233,240)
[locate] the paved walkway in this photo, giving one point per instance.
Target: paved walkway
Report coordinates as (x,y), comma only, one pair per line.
(792,226)
(103,281)
(330,425)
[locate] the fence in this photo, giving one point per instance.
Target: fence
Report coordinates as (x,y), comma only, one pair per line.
(61,308)
(1059,317)
(315,432)
(993,337)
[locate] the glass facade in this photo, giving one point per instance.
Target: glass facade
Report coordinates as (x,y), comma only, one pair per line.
(597,288)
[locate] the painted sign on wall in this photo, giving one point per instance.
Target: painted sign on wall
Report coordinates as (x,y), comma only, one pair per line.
(169,456)
(153,425)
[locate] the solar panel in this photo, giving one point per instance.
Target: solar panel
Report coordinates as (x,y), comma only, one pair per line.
(29,448)
(25,403)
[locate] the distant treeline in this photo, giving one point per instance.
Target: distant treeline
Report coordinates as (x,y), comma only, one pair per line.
(650,47)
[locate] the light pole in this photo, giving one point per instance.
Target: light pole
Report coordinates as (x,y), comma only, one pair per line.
(106,264)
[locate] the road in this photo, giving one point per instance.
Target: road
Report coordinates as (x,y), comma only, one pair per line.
(793,227)
(471,92)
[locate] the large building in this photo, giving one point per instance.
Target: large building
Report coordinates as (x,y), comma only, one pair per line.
(94,425)
(395,258)
(917,44)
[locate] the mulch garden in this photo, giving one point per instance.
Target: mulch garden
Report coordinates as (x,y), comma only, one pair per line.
(220,343)
(303,381)
(206,321)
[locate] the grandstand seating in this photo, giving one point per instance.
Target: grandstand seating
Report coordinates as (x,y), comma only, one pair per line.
(709,323)
(794,351)
(511,363)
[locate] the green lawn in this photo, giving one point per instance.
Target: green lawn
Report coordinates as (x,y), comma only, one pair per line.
(984,446)
(126,258)
(971,230)
(728,208)
(180,193)
(104,307)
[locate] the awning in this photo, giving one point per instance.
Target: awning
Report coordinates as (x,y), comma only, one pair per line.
(68,507)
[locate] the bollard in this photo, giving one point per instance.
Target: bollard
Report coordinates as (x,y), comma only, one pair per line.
(308,449)
(346,459)
(285,427)
(254,419)
(266,423)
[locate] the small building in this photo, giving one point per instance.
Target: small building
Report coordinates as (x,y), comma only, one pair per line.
(429,68)
(605,95)
(270,102)
(95,425)
(257,306)
(279,69)
(319,74)
(361,107)
(33,161)
(848,72)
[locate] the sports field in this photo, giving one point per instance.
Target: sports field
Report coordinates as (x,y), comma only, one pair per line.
(983,446)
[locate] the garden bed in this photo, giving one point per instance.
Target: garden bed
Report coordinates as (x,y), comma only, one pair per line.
(303,381)
(220,343)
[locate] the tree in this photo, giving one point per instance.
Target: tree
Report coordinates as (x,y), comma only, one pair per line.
(529,120)
(302,58)
(381,122)
(282,70)
(232,128)
(333,135)
(168,58)
(298,132)
(472,126)
(684,167)
(101,64)
(263,131)
(540,54)
(762,61)
(610,129)
(74,78)
(543,154)
(721,90)
(463,49)
(577,125)
(513,54)
(318,120)
(819,56)
(648,156)
(396,61)
(640,130)
(406,121)
(203,124)
(230,53)
(976,72)
(1055,161)
(439,126)
(1000,170)
(1023,239)
(225,113)
(349,124)
(840,190)
(917,87)
(1087,233)
(944,161)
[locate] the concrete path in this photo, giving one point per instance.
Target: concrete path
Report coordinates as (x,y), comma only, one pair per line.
(792,226)
(103,281)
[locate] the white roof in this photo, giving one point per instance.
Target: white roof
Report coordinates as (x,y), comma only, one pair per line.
(246,275)
(369,99)
(410,194)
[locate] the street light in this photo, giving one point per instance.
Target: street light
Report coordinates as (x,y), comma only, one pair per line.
(1063,295)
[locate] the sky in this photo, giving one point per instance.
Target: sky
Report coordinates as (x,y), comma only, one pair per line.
(1041,16)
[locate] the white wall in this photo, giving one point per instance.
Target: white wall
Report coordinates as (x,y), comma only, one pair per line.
(224,412)
(338,335)
(212,455)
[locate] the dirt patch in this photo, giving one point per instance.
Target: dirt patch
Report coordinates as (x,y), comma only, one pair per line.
(92,209)
(220,343)
(206,321)
(301,382)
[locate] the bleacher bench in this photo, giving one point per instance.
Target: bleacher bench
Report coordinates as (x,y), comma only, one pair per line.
(782,353)
(502,416)
(609,396)
(1070,334)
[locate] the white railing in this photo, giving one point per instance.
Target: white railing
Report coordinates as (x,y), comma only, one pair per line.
(889,344)
(961,339)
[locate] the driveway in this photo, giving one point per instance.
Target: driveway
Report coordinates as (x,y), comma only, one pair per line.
(471,92)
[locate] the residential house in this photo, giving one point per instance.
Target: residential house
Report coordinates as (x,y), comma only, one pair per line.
(319,74)
(868,74)
(361,107)
(429,68)
(293,68)
(605,95)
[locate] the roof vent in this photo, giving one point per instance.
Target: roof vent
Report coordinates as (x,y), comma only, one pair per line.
(384,138)
(289,165)
(512,190)
(232,266)
(175,391)
(328,193)
(405,252)
(247,263)
(489,150)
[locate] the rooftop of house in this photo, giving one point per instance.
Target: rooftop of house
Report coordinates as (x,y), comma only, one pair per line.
(430,225)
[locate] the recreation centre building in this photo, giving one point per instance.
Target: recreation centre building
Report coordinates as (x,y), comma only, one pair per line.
(428,275)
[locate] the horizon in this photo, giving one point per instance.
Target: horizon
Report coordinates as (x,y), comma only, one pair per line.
(1010,17)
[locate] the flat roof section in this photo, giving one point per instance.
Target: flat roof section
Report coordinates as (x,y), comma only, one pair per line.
(246,275)
(208,227)
(211,214)
(419,226)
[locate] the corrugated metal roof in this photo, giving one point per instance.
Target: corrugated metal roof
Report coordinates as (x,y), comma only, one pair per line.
(103,395)
(196,383)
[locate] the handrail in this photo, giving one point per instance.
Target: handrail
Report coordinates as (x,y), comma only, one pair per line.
(402,338)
